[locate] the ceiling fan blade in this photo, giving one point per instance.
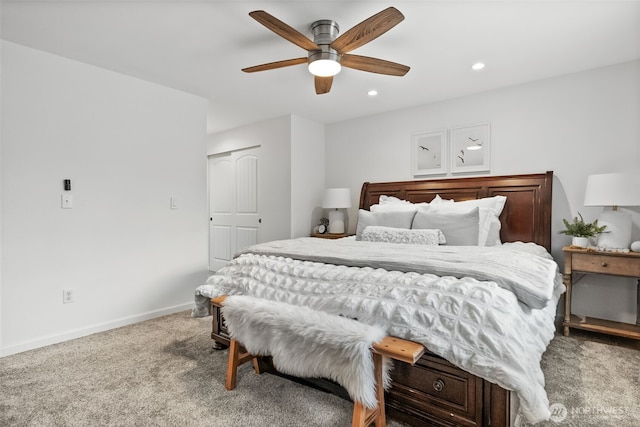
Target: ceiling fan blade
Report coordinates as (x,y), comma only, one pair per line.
(323,84)
(277,64)
(283,30)
(368,30)
(374,65)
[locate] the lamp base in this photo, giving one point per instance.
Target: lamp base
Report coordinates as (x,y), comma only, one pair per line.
(336,222)
(617,235)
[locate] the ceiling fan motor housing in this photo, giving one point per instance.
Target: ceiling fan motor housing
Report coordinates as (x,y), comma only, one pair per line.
(324,31)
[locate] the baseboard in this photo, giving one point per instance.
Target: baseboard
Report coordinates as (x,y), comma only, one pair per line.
(92,329)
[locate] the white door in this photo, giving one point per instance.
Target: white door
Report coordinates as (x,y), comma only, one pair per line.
(233,204)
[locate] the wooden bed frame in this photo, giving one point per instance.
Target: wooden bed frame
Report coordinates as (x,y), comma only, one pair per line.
(435,392)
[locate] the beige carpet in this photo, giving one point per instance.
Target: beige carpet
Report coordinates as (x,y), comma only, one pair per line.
(163,373)
(592,380)
(157,373)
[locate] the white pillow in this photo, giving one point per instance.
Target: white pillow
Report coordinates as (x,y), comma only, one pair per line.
(459,229)
(490,210)
(396,219)
(392,200)
(394,207)
(394,204)
(374,233)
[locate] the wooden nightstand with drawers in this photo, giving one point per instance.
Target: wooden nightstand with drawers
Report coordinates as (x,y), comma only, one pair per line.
(609,263)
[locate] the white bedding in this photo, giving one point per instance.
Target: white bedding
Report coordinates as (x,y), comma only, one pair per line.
(478,325)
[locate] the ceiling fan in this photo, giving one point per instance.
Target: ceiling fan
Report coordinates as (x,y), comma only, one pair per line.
(327,53)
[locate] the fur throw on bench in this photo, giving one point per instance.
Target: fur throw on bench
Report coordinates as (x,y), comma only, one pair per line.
(308,343)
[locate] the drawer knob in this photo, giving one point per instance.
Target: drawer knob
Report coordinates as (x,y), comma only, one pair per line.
(604,264)
(438,385)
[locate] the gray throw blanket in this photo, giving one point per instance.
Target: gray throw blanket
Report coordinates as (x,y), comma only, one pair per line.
(511,266)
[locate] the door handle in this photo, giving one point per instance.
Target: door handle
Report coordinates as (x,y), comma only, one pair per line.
(259,220)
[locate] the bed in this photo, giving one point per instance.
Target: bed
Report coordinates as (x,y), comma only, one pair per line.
(456,382)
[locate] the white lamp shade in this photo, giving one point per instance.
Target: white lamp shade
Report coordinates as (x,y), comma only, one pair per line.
(336,198)
(613,189)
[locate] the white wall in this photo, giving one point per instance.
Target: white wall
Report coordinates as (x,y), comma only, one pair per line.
(574,125)
(307,175)
(128,146)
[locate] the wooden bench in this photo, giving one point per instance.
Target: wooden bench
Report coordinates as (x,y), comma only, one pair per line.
(391,347)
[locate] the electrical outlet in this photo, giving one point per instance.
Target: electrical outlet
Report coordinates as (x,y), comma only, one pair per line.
(67,296)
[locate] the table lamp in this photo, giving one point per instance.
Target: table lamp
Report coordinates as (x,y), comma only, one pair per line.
(336,199)
(614,189)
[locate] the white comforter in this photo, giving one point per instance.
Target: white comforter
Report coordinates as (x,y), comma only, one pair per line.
(475,322)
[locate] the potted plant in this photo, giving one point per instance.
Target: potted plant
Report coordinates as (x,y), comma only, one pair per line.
(582,231)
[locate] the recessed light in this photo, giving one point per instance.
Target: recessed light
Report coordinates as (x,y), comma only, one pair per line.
(372,92)
(477,66)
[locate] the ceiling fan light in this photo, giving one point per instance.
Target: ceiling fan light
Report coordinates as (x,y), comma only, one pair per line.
(324,67)
(474,147)
(324,63)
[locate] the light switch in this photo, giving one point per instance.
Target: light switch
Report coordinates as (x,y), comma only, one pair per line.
(67,201)
(174,203)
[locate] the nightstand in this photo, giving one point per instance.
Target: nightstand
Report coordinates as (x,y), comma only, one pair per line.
(609,263)
(330,236)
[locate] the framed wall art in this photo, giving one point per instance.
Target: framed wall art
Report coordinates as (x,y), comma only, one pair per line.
(470,149)
(429,153)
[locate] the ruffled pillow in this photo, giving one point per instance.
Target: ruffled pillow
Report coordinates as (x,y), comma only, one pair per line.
(376,233)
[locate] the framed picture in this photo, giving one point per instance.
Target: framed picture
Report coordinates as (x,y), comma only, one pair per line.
(429,152)
(470,149)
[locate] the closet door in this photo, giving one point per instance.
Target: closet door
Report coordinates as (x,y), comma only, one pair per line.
(233,204)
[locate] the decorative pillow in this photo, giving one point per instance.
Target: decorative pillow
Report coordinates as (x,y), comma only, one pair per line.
(375,233)
(459,229)
(396,219)
(490,210)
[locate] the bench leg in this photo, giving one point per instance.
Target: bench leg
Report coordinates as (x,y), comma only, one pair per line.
(232,365)
(237,356)
(256,366)
(363,417)
(381,419)
(359,415)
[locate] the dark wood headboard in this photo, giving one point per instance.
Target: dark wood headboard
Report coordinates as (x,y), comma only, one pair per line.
(527,213)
